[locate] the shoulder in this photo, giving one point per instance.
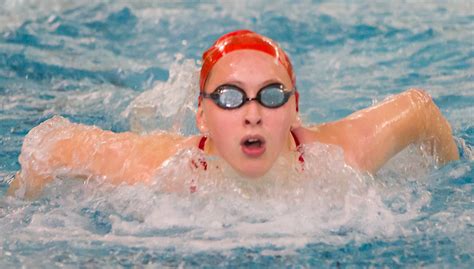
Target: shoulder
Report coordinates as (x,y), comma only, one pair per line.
(59,128)
(166,140)
(151,150)
(325,133)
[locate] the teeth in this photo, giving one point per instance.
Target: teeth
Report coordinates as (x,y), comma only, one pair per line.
(253,142)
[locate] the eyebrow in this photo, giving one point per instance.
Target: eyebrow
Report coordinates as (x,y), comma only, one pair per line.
(261,85)
(270,81)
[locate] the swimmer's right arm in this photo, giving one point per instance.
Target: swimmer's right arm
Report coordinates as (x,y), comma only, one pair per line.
(58,148)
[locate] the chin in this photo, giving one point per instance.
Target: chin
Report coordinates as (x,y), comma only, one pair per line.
(252,169)
(253,173)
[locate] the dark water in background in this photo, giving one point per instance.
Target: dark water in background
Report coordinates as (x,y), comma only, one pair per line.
(88,60)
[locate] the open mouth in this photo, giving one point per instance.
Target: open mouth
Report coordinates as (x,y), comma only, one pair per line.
(253,143)
(253,146)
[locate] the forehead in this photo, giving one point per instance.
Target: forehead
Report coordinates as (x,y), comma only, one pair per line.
(247,67)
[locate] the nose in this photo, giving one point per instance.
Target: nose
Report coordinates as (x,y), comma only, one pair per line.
(253,115)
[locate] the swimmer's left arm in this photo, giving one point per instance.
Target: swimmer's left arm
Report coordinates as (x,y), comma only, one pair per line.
(370,137)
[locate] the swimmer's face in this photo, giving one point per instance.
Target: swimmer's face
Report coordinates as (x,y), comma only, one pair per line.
(249,138)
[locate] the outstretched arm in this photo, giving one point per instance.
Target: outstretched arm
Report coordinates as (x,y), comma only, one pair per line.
(60,148)
(372,136)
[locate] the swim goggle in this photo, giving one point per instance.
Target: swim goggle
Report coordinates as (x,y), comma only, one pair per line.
(231,97)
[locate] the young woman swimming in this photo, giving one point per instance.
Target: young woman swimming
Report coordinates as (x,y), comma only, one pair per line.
(247,115)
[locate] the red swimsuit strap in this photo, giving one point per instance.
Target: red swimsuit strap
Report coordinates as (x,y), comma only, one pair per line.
(297,142)
(202,143)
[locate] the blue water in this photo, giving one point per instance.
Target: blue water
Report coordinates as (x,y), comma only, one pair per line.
(90,60)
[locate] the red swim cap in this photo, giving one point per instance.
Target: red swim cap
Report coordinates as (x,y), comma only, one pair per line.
(240,40)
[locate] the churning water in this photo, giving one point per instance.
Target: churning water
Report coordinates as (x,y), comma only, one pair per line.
(132,66)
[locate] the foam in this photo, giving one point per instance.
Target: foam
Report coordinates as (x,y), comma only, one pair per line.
(168,105)
(414,209)
(330,203)
(289,206)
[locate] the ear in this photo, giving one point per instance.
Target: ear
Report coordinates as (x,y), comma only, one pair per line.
(296,122)
(201,120)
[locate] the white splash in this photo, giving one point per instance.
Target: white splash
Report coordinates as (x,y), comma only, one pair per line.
(168,104)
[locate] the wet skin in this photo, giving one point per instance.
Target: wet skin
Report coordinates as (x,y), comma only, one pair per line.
(369,137)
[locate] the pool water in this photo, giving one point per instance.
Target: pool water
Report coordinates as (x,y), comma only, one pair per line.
(132,66)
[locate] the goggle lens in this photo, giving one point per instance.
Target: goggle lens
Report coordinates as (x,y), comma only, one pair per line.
(272,96)
(232,97)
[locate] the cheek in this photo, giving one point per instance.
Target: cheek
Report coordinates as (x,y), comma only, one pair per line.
(282,116)
(279,124)
(221,124)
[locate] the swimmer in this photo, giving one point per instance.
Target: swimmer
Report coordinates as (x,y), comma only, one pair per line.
(247,115)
